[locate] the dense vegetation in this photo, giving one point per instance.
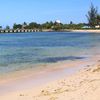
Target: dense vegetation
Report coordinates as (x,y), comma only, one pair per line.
(47,25)
(93,18)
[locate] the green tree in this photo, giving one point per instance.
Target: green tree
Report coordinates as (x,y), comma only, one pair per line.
(17,26)
(24,26)
(7,27)
(92,16)
(0,27)
(98,19)
(25,23)
(71,22)
(47,25)
(33,25)
(57,26)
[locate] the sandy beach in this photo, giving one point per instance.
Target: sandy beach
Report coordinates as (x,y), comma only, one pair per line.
(50,50)
(89,31)
(83,84)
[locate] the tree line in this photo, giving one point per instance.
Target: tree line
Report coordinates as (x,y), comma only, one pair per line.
(93,18)
(47,25)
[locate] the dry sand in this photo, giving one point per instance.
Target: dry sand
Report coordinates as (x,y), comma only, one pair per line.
(83,85)
(90,31)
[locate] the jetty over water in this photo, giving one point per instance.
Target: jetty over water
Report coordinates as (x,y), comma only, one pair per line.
(19,30)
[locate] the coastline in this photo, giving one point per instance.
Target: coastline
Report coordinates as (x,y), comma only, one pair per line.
(76,30)
(50,52)
(55,81)
(79,30)
(50,30)
(55,84)
(87,31)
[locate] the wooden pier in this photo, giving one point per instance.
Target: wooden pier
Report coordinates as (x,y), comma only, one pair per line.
(20,30)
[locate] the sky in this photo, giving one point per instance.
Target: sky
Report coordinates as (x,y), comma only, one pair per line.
(40,11)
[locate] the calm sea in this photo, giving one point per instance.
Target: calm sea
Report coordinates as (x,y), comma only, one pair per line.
(19,50)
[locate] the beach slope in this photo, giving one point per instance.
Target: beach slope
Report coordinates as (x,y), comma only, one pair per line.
(83,85)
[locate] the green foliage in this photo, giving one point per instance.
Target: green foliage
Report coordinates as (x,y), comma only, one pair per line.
(98,19)
(71,22)
(73,26)
(33,25)
(57,26)
(47,25)
(92,16)
(25,24)
(17,26)
(0,27)
(7,27)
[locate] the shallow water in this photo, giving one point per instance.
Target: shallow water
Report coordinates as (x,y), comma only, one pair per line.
(19,50)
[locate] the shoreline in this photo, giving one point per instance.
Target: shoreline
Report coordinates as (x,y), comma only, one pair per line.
(87,31)
(19,87)
(49,30)
(36,84)
(44,70)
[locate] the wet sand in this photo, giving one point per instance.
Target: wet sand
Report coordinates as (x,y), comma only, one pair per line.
(77,80)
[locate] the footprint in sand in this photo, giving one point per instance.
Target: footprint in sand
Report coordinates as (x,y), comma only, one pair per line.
(21,95)
(53,98)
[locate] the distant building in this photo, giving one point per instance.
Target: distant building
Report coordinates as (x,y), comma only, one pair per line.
(58,21)
(97,26)
(84,27)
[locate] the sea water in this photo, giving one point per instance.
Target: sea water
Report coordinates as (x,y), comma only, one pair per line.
(26,50)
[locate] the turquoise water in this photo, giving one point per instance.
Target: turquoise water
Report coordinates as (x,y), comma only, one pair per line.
(18,50)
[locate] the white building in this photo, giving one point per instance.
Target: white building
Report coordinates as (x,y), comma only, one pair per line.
(97,26)
(58,21)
